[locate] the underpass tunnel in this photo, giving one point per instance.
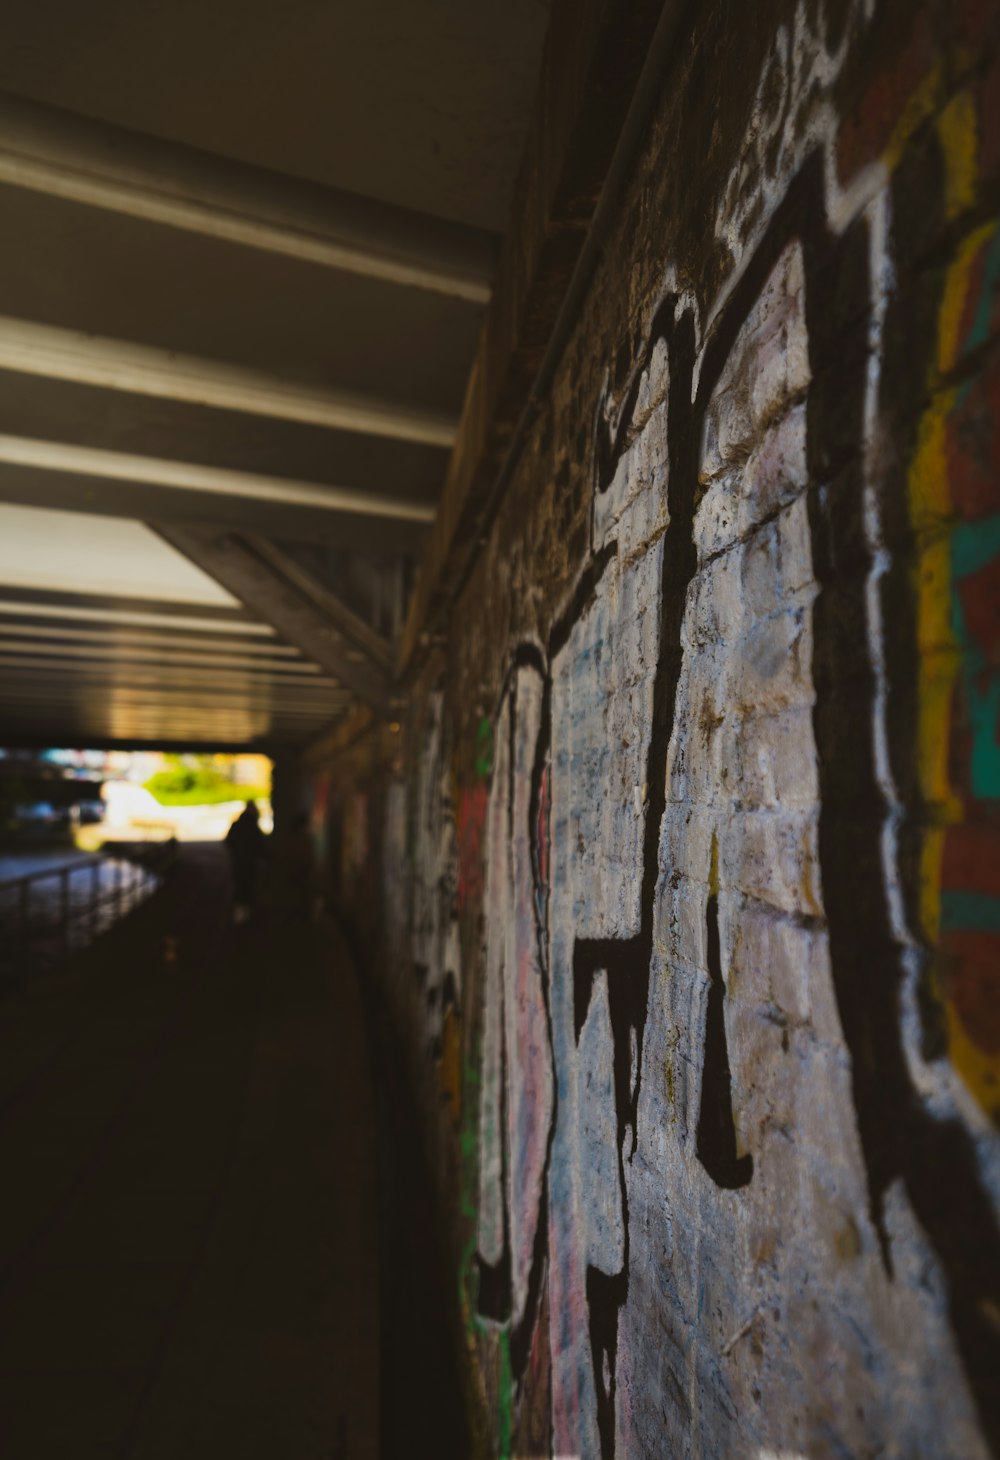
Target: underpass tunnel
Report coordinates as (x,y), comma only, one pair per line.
(500,730)
(245,262)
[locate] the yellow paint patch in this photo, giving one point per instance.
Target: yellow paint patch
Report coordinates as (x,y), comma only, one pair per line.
(932,746)
(931,508)
(956,127)
(930,503)
(935,637)
(918,108)
(810,895)
(956,294)
(979,1070)
(847,1240)
(450,1071)
(668,1077)
(933,618)
(930,497)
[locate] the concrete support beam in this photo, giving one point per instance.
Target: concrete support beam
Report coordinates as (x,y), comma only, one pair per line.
(85,478)
(68,668)
(31,694)
(272,595)
(84,161)
(354,629)
(53,353)
(111,639)
(37,603)
(113,652)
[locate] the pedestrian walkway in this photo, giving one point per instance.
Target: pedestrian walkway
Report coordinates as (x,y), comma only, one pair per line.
(187,1220)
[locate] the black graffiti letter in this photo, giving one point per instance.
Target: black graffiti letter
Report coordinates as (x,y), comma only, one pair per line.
(716,1137)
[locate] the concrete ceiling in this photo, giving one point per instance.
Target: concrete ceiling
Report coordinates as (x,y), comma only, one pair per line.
(108,633)
(243,270)
(420,103)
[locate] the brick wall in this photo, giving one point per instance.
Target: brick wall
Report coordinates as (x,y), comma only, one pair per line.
(682,874)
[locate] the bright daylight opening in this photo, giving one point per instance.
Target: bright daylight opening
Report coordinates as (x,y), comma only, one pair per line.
(87,835)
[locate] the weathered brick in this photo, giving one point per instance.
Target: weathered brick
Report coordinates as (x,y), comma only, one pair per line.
(749,772)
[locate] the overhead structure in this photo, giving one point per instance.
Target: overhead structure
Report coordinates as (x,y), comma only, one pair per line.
(89,655)
(236,331)
(82,161)
(27,348)
(54,474)
(289,297)
(262,579)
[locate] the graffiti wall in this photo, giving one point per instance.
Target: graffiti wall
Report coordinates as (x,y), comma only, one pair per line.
(692,868)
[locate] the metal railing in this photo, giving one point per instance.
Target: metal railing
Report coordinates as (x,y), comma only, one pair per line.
(48,914)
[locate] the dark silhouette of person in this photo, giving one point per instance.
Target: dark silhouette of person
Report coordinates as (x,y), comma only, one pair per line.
(247,845)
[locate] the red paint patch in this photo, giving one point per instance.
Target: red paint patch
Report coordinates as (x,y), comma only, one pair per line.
(979,595)
(533,1420)
(542,830)
(321,796)
(973,448)
(971,968)
(977,18)
(865,135)
(974,289)
(471,818)
(972,860)
(989,122)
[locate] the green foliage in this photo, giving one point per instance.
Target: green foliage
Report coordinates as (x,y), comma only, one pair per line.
(200,784)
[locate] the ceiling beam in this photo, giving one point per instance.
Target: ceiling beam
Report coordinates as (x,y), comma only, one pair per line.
(48,603)
(113,652)
(37,735)
(28,692)
(279,601)
(355,630)
(75,158)
(54,353)
(35,695)
(243,733)
(100,671)
(74,478)
(112,637)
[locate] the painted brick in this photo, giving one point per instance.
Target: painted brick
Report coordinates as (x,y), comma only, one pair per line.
(750,807)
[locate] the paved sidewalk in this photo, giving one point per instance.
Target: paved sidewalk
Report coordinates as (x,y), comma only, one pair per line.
(187,1219)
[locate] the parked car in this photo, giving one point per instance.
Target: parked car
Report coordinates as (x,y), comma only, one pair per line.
(38,813)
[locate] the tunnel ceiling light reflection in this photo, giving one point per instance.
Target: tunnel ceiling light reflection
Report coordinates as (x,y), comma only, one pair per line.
(113,650)
(76,552)
(137,618)
(131,638)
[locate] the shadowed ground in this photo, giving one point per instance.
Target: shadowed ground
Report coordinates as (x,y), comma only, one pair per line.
(187,1219)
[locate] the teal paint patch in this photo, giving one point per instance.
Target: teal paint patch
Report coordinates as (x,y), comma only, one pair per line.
(982,320)
(974,545)
(970,912)
(974,548)
(979,331)
(984,722)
